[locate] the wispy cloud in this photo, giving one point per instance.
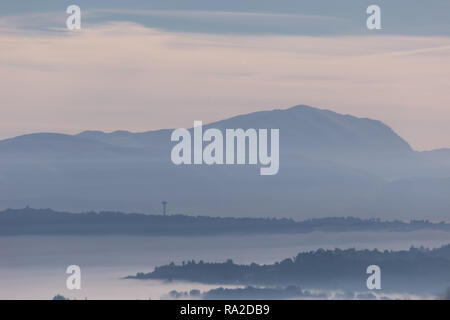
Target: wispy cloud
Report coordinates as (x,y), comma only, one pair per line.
(295,17)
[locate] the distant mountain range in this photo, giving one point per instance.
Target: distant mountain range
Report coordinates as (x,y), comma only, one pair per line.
(330,165)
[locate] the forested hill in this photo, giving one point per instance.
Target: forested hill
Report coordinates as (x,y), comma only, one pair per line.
(416,269)
(29,221)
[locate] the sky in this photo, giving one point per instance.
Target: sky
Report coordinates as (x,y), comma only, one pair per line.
(143,65)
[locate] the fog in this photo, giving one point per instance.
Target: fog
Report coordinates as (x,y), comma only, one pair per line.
(33,267)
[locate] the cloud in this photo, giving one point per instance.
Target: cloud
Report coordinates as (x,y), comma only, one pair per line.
(210,22)
(295,17)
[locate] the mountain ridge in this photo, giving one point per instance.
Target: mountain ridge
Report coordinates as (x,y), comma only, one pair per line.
(330,165)
(312,118)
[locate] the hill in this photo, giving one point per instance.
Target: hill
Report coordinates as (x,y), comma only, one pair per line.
(414,270)
(330,165)
(29,221)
